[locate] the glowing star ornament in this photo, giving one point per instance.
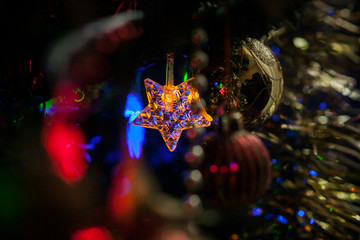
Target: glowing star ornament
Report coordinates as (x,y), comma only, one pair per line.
(169,109)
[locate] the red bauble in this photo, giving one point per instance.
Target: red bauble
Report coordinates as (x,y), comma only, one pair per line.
(236,167)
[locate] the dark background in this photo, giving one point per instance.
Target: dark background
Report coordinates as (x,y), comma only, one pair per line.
(34,204)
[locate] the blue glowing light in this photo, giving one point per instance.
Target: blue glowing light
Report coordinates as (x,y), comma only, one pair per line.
(312,221)
(300,100)
(92,143)
(112,156)
(290,133)
(301,213)
(89,146)
(275,50)
(274,161)
(269,216)
(276,118)
(256,212)
(87,157)
(135,135)
(323,106)
(313,173)
(282,219)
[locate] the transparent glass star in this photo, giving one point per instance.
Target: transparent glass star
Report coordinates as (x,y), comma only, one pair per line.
(170,110)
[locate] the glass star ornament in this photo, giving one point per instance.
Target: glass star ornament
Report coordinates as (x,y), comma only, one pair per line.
(170,107)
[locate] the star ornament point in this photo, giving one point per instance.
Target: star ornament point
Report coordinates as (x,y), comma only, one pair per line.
(170,110)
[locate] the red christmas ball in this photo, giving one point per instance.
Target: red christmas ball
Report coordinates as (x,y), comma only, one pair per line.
(237,165)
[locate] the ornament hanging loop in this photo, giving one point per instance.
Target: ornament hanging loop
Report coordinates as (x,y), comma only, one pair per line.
(170,69)
(231,122)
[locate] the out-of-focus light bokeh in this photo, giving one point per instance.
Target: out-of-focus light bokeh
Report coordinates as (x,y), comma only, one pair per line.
(63,142)
(92,233)
(135,135)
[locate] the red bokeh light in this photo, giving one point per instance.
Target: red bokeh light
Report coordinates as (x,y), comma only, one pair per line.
(222,91)
(234,167)
(191,133)
(224,169)
(213,168)
(62,140)
(94,233)
(121,196)
(190,157)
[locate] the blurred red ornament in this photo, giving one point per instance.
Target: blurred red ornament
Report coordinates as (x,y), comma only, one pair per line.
(130,187)
(93,233)
(62,141)
(236,167)
(122,200)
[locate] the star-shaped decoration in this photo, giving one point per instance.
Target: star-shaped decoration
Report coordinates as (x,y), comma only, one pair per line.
(170,110)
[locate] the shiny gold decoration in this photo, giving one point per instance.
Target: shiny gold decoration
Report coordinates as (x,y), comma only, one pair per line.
(255,85)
